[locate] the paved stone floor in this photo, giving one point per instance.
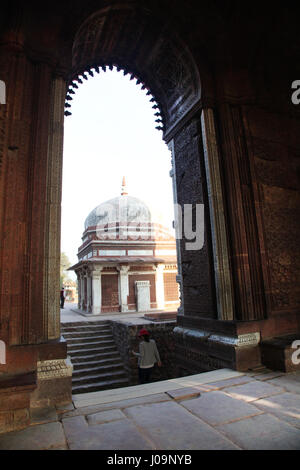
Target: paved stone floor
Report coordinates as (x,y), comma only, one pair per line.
(70,313)
(222,409)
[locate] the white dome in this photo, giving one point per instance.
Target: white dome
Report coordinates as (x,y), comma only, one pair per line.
(126,209)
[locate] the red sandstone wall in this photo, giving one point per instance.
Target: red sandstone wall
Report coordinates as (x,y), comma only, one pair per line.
(110,293)
(171,287)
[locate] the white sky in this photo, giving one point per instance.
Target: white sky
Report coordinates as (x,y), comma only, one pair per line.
(111,133)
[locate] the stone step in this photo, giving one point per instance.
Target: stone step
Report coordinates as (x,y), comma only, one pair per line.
(86,329)
(101,369)
(97,364)
(85,323)
(83,359)
(86,363)
(89,339)
(86,334)
(89,345)
(101,385)
(101,376)
(93,351)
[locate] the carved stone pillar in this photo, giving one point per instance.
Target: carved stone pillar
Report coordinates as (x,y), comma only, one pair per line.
(79,289)
(159,287)
(53,210)
(96,290)
(31,127)
(180,309)
(242,224)
(224,291)
(82,298)
(124,287)
(197,274)
(89,292)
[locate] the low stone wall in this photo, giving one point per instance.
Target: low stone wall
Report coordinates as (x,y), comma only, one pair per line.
(126,339)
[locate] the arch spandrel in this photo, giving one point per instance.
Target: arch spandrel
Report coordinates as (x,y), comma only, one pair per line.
(133,41)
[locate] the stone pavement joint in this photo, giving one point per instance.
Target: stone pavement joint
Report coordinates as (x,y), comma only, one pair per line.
(221,409)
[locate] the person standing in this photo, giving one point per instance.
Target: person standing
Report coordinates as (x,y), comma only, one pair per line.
(148,355)
(62,297)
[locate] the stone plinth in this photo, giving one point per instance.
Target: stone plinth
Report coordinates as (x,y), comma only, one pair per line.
(54,383)
(279,353)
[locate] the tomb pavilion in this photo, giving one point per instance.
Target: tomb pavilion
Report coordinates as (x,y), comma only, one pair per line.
(127,261)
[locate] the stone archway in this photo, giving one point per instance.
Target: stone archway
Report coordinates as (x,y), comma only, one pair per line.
(227,289)
(156,56)
(161,63)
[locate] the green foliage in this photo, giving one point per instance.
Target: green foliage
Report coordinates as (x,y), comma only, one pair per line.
(64,265)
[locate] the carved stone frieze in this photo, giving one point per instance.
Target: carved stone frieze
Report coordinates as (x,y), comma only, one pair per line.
(58,368)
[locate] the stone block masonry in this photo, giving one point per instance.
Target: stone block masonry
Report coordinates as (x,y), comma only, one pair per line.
(126,340)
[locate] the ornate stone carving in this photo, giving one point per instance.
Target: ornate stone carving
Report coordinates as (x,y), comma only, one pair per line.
(53,212)
(166,64)
(224,289)
(243,225)
(58,368)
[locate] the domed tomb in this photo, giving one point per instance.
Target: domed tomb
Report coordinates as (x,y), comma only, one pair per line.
(125,251)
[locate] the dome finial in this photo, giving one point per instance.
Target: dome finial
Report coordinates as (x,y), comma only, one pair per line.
(124,188)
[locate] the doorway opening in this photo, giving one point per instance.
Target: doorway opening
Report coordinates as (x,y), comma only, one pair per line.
(118,242)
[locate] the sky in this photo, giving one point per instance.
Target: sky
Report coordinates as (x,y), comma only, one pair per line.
(110,134)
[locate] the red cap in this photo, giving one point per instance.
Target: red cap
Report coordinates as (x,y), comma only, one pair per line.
(143,332)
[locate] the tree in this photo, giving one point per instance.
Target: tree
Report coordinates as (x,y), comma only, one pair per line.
(64,265)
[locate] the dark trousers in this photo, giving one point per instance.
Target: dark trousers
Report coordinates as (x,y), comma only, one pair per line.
(145,375)
(62,302)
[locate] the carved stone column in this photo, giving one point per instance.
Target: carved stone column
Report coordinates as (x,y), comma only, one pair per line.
(124,287)
(242,223)
(96,290)
(53,210)
(224,291)
(197,272)
(159,286)
(89,292)
(82,297)
(180,309)
(79,289)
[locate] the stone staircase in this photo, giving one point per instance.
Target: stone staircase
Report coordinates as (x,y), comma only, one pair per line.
(97,364)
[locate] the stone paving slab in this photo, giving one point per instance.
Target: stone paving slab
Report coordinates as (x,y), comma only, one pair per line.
(105,417)
(120,435)
(285,406)
(217,408)
(183,393)
(229,382)
(290,382)
(170,426)
(41,437)
(268,375)
(117,394)
(157,397)
(262,432)
(253,390)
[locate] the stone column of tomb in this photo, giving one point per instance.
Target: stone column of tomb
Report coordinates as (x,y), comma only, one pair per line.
(159,286)
(124,287)
(96,291)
